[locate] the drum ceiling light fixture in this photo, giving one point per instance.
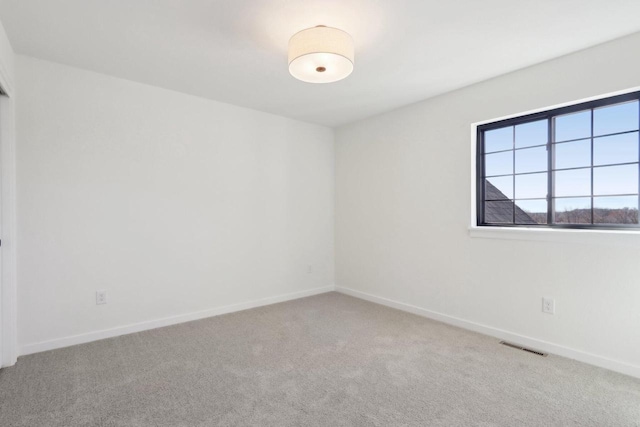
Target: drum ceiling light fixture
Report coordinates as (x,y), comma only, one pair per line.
(320,55)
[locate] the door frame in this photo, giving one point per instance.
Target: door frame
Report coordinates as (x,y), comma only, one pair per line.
(8,283)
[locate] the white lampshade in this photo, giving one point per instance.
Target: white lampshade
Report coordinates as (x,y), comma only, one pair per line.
(320,55)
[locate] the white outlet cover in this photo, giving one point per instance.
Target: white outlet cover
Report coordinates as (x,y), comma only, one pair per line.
(548,305)
(101,297)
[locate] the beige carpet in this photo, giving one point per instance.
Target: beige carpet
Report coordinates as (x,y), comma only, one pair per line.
(328,360)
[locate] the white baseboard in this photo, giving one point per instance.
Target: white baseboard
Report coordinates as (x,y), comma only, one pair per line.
(167,321)
(545,346)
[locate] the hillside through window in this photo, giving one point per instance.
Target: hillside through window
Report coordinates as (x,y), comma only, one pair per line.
(576,167)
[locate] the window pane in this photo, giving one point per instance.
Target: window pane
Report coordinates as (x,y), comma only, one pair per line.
(498,212)
(534,133)
(615,118)
(531,211)
(531,160)
(499,163)
(499,188)
(533,186)
(573,154)
(573,126)
(576,210)
(615,180)
(573,182)
(498,139)
(608,150)
(615,210)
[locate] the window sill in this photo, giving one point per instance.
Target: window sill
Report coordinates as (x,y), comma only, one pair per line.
(615,237)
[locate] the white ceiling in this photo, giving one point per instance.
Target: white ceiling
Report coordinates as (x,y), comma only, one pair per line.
(235,51)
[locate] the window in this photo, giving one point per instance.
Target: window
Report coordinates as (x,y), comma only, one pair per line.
(576,167)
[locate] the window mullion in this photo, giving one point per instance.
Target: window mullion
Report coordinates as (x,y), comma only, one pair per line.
(550,162)
(513,170)
(592,201)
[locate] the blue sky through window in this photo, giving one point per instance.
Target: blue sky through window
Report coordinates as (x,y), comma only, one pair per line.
(606,137)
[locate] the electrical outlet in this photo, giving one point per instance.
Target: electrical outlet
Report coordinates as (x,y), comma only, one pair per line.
(101,297)
(309,269)
(548,305)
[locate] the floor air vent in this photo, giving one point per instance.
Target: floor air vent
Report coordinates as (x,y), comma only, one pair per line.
(519,347)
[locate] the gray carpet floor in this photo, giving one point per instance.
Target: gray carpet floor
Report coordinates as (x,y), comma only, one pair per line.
(327,360)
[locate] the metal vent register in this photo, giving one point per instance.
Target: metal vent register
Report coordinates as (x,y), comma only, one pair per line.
(519,347)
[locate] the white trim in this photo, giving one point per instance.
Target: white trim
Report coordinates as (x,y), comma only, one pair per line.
(5,78)
(560,350)
(167,321)
(5,82)
(8,287)
(586,236)
(474,160)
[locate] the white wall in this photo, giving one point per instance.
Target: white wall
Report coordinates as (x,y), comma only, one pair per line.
(172,203)
(403,208)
